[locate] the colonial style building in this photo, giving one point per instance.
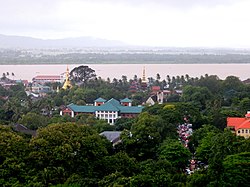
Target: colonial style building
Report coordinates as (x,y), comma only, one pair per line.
(109,110)
(240,126)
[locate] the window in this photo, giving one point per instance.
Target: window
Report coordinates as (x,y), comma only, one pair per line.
(246,131)
(242,130)
(238,131)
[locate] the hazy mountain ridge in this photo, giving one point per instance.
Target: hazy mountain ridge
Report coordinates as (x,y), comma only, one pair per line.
(7,41)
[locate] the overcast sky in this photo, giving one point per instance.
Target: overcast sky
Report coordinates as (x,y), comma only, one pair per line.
(173,23)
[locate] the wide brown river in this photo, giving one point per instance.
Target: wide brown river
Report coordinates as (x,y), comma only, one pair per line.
(117,70)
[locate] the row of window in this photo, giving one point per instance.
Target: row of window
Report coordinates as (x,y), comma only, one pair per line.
(243,131)
(106,115)
(103,112)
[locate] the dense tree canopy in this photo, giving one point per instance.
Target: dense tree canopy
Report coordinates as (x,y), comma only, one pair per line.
(70,152)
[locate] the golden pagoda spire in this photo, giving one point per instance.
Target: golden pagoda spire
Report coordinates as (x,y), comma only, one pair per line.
(67,83)
(144,83)
(144,75)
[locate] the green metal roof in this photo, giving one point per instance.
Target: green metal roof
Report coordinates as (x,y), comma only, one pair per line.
(100,100)
(87,109)
(110,105)
(130,109)
(114,102)
(107,107)
(126,100)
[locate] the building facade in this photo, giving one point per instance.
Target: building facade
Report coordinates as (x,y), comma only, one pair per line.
(110,110)
(42,79)
(240,126)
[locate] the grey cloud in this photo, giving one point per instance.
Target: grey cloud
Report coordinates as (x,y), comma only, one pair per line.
(171,3)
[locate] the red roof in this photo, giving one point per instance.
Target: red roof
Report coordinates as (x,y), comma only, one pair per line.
(26,82)
(238,123)
(156,88)
(47,77)
(234,121)
(244,125)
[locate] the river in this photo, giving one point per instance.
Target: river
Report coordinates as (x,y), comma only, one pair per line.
(27,72)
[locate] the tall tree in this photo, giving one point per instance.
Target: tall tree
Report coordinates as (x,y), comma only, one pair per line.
(82,74)
(173,151)
(61,151)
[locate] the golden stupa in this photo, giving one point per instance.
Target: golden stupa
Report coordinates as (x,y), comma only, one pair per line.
(144,76)
(67,83)
(144,83)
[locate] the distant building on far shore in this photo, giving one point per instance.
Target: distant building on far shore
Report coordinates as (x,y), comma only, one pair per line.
(42,79)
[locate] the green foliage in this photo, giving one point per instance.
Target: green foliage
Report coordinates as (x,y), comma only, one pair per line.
(175,153)
(196,95)
(236,170)
(115,179)
(33,121)
(12,166)
(60,150)
(232,83)
(145,135)
(198,179)
(155,173)
(120,162)
(244,104)
(73,154)
(212,83)
(123,123)
(200,134)
(82,74)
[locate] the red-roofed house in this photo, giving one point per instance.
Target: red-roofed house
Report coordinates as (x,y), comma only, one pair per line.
(48,78)
(155,89)
(241,126)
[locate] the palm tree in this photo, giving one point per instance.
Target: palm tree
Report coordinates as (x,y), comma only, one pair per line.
(158,77)
(4,76)
(13,75)
(187,77)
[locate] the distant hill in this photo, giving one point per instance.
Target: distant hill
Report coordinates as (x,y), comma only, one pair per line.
(80,42)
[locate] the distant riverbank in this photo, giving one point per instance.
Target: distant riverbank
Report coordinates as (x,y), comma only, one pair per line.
(27,72)
(13,57)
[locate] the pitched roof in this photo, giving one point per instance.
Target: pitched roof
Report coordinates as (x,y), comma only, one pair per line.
(77,108)
(47,77)
(110,105)
(131,109)
(100,100)
(155,88)
(112,136)
(234,121)
(247,115)
(107,107)
(238,123)
(114,102)
(126,100)
(244,125)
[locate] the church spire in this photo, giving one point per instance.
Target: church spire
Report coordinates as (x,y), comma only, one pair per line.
(67,83)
